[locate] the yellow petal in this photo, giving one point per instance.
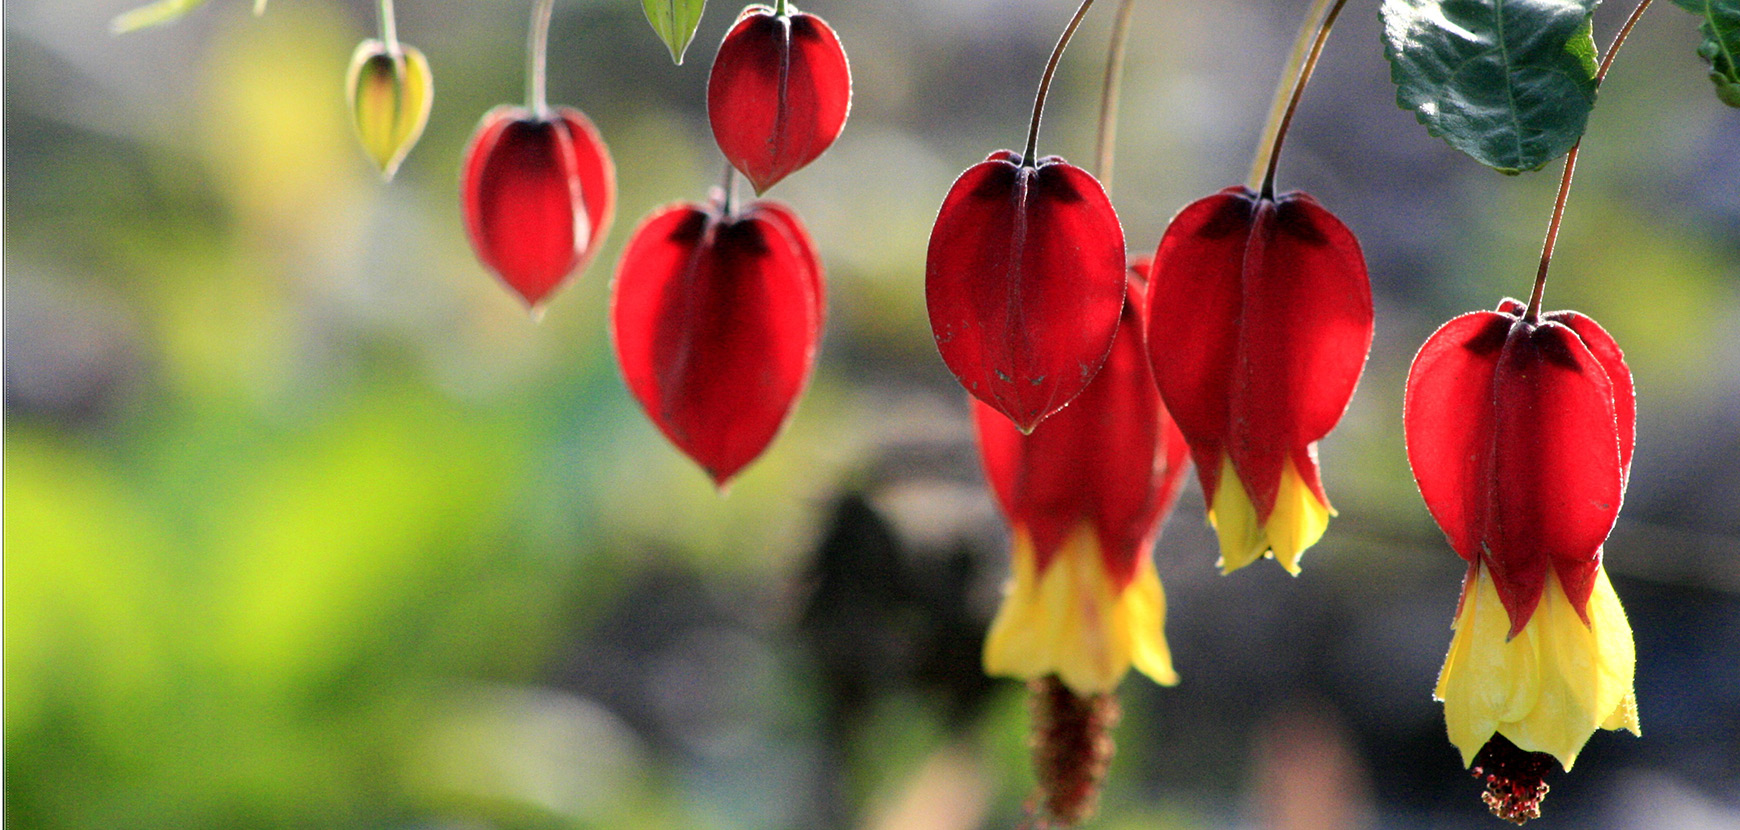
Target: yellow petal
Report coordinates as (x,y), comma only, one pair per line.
(1235,520)
(1548,688)
(1070,621)
(1296,523)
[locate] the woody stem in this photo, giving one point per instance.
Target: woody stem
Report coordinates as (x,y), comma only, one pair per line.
(1534,310)
(1027,156)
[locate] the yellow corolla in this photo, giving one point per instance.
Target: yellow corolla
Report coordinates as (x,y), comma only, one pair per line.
(1072,620)
(1548,688)
(1296,523)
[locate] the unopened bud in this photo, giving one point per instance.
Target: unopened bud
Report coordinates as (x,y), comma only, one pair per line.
(390,91)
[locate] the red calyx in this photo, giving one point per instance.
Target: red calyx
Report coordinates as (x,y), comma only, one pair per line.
(1112,458)
(1024,281)
(538,194)
(716,318)
(778,93)
(1260,319)
(1520,435)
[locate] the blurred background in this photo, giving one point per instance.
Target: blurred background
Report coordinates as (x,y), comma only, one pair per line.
(308,525)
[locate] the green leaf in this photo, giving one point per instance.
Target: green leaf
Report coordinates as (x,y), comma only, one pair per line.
(675,22)
(1509,82)
(1721,46)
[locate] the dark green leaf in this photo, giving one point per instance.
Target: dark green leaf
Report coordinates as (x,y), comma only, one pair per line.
(1509,82)
(675,22)
(1721,46)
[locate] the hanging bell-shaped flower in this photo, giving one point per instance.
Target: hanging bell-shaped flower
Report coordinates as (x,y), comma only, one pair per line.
(538,191)
(1259,325)
(1520,435)
(778,93)
(1024,281)
(390,91)
(716,314)
(1085,494)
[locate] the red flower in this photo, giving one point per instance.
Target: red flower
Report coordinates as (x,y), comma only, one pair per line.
(1259,325)
(1520,434)
(1024,280)
(1085,494)
(716,316)
(538,193)
(778,94)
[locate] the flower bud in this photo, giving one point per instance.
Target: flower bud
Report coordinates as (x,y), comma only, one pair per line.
(390,92)
(538,192)
(778,93)
(715,316)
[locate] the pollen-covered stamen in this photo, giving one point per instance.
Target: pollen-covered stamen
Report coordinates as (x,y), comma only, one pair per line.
(1072,746)
(1515,779)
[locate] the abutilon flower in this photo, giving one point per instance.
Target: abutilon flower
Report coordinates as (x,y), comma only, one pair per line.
(778,94)
(1520,434)
(390,91)
(538,191)
(1085,494)
(1024,281)
(715,314)
(1259,322)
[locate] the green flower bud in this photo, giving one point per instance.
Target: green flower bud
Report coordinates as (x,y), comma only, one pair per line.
(390,92)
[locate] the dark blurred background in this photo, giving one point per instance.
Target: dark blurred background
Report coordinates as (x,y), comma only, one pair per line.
(307,525)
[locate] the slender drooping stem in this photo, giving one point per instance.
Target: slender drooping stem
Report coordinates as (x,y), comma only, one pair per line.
(728,190)
(1108,135)
(1045,82)
(537,57)
(1283,89)
(1304,75)
(780,8)
(389,27)
(1534,310)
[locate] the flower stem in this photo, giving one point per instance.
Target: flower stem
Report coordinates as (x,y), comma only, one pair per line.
(1108,134)
(728,190)
(389,27)
(1283,90)
(1306,67)
(537,57)
(1534,310)
(1027,156)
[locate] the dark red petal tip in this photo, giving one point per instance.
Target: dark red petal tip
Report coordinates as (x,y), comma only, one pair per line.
(1024,281)
(778,94)
(716,320)
(537,195)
